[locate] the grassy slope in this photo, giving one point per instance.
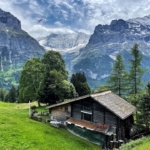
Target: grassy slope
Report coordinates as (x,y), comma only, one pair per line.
(18,132)
(140,144)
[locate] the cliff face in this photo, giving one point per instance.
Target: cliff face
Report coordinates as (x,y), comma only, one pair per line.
(16,47)
(67,44)
(97,57)
(7,20)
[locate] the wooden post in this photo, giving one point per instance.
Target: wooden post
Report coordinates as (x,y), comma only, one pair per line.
(29,110)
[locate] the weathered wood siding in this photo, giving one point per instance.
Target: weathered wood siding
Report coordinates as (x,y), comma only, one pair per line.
(76,110)
(99,113)
(60,113)
(110,118)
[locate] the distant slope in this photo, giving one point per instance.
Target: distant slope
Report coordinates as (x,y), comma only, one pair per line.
(16,47)
(67,44)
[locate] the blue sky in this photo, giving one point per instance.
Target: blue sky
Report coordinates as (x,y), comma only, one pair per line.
(68,16)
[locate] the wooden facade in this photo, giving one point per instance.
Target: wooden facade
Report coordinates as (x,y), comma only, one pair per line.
(61,113)
(104,113)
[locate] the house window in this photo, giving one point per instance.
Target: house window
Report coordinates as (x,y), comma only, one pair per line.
(86,111)
(87,106)
(87,117)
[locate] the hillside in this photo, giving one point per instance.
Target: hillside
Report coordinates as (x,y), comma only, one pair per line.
(18,132)
(140,144)
(16,47)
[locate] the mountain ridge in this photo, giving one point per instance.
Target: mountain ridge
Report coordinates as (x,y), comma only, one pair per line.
(108,40)
(16,47)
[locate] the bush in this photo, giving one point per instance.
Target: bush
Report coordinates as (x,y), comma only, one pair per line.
(33,107)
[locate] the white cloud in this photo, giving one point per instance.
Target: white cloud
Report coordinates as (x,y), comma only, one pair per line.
(37,30)
(79,17)
(57,23)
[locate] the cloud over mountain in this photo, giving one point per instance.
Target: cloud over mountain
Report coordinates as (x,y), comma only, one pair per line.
(72,15)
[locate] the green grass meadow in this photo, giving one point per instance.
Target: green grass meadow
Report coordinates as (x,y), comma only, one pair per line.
(140,144)
(18,132)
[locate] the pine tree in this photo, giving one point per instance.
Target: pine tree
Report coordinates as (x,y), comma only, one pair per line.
(143,116)
(11,95)
(2,94)
(80,83)
(117,79)
(136,72)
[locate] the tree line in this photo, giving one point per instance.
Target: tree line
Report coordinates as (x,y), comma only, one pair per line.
(46,81)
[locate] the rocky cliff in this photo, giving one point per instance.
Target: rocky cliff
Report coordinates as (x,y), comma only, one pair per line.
(16,47)
(67,44)
(97,57)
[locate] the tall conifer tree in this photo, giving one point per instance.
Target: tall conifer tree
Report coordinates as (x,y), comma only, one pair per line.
(136,72)
(117,79)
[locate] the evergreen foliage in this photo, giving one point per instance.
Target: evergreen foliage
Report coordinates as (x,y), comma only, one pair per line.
(136,72)
(11,95)
(143,116)
(118,78)
(55,88)
(80,83)
(2,94)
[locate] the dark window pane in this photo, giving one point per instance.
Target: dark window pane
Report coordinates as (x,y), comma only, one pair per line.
(87,117)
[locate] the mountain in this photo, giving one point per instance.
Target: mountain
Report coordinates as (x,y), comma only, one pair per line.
(67,44)
(16,47)
(97,57)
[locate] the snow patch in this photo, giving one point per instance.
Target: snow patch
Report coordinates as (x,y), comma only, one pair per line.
(104,76)
(113,55)
(92,75)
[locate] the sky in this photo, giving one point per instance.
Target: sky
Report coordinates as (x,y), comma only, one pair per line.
(69,16)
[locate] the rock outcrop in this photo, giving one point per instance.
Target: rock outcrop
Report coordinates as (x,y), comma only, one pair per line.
(16,47)
(97,57)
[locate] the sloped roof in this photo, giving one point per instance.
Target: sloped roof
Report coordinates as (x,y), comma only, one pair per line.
(115,104)
(109,100)
(67,101)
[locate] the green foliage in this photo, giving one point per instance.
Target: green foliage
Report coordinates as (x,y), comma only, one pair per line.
(143,116)
(50,88)
(118,78)
(2,94)
(103,88)
(30,79)
(80,84)
(46,80)
(54,88)
(7,78)
(136,72)
(11,96)
(53,60)
(140,144)
(68,89)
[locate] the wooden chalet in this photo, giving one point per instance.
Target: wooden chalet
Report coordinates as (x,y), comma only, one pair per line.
(103,118)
